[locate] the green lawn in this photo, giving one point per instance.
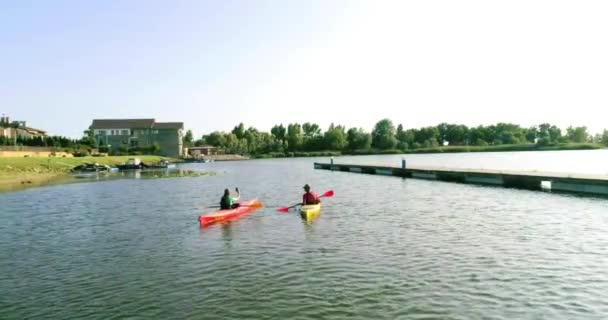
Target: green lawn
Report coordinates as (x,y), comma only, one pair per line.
(57,164)
(509,147)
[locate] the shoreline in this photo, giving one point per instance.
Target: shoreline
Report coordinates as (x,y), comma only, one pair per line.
(18,173)
(16,182)
(23,173)
(436,150)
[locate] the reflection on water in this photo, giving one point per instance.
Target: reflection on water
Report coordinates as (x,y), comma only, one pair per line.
(141,174)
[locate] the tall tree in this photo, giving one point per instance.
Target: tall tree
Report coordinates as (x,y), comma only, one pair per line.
(383,135)
(216,139)
(605,137)
(188,138)
(335,138)
(279,132)
(358,139)
(239,131)
(294,136)
(578,134)
(311,130)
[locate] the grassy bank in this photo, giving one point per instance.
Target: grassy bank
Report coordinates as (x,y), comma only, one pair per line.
(297,154)
(446,149)
(509,147)
(17,172)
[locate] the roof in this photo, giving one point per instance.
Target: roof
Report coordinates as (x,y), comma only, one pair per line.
(33,130)
(122,123)
(169,125)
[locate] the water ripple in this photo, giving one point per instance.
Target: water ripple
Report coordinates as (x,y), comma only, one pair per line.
(383,248)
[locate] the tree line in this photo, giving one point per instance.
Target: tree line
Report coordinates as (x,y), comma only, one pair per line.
(48,141)
(308,137)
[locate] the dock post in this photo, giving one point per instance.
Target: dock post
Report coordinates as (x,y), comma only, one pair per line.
(402,163)
(332,161)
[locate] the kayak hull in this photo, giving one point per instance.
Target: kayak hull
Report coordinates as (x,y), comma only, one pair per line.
(309,212)
(245,208)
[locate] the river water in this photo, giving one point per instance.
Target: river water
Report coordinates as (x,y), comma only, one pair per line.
(383,247)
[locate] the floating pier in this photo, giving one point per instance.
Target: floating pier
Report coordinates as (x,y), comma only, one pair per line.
(562,182)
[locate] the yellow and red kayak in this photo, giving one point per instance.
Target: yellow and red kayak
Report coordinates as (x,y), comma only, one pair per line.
(245,208)
(310,211)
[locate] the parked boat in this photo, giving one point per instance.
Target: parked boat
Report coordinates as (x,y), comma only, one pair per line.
(91,167)
(136,164)
(89,170)
(131,164)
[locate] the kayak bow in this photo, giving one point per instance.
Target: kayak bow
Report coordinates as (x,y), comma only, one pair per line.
(310,211)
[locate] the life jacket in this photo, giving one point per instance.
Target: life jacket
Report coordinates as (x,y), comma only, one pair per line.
(310,198)
(226,202)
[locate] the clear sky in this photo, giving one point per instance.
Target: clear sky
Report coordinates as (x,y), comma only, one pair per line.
(212,64)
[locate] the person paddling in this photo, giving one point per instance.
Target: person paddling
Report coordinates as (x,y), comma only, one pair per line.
(310,197)
(228,202)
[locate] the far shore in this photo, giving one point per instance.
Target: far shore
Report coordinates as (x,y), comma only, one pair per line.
(443,149)
(25,172)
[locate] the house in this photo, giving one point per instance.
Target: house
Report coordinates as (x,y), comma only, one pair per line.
(18,129)
(124,134)
(201,151)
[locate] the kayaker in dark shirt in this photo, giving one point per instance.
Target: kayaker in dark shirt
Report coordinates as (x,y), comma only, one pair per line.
(310,197)
(227,201)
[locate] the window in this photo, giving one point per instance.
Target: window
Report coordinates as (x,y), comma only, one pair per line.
(134,143)
(100,132)
(124,132)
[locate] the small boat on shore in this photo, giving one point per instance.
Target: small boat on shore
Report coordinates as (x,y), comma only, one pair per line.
(137,164)
(90,167)
(88,170)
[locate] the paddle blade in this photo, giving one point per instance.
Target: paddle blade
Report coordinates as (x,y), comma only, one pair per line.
(284,209)
(328,194)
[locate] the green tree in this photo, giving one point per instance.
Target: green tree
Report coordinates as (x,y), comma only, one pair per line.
(358,139)
(279,132)
(252,135)
(428,136)
(88,138)
(239,131)
(531,134)
(453,134)
(405,138)
(216,139)
(311,130)
(578,134)
(294,136)
(383,135)
(550,134)
(335,138)
(188,138)
(232,143)
(604,139)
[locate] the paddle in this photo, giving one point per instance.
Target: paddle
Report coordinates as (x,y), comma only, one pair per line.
(327,194)
(253,205)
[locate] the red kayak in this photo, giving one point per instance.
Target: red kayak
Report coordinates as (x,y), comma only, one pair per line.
(245,208)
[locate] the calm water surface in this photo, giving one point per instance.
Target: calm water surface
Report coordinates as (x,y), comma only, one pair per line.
(383,247)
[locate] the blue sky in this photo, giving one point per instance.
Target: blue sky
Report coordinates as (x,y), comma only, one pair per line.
(212,64)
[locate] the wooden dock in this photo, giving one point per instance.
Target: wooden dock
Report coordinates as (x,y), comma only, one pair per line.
(562,182)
